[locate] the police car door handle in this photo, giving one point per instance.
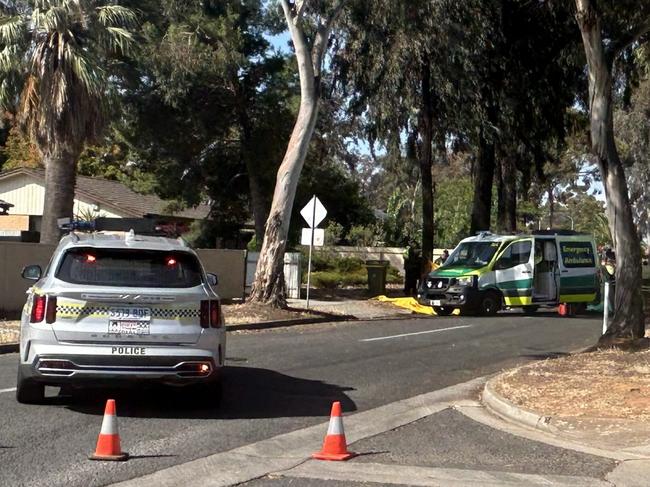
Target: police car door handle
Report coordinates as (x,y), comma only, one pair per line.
(526,272)
(565,270)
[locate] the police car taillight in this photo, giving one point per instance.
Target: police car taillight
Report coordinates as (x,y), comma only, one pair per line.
(50,310)
(38,309)
(210,314)
(215,311)
(205,314)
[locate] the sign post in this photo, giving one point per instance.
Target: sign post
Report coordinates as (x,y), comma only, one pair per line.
(313,213)
(606,308)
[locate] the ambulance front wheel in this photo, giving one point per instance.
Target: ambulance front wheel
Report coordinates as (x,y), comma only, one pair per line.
(443,310)
(490,303)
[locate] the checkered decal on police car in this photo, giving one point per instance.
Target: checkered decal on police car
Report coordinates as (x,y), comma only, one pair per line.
(168,313)
(81,310)
(175,313)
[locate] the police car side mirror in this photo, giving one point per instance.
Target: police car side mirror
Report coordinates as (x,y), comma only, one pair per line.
(32,272)
(213,280)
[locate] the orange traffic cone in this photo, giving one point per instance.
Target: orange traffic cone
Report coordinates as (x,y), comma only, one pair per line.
(108,442)
(334,446)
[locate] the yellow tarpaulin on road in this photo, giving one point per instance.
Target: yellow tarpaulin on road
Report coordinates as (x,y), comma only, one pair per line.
(410,303)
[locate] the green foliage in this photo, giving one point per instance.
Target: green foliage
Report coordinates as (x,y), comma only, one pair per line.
(401,227)
(453,206)
(331,271)
(362,236)
(326,280)
(253,244)
(18,151)
(339,193)
(114,161)
(334,232)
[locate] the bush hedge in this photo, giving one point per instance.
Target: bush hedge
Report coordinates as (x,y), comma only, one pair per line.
(330,271)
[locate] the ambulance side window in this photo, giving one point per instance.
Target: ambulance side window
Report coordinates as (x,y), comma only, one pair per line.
(516,254)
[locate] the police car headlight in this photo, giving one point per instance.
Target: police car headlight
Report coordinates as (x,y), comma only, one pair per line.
(465,281)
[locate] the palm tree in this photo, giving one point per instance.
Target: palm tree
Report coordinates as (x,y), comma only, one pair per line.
(54,73)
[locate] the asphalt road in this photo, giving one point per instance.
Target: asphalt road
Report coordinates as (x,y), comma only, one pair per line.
(278,380)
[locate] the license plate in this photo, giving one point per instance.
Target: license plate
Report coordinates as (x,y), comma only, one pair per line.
(129,314)
(121,327)
(435,302)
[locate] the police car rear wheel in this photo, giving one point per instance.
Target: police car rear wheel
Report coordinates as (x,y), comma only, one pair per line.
(28,391)
(443,310)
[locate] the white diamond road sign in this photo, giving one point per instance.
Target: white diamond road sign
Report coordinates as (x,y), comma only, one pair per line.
(314,212)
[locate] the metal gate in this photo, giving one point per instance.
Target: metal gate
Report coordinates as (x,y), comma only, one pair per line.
(292,272)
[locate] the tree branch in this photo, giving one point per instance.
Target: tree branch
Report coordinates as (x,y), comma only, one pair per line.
(305,66)
(299,8)
(630,37)
(322,35)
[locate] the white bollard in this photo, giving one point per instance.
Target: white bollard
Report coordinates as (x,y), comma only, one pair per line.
(606,307)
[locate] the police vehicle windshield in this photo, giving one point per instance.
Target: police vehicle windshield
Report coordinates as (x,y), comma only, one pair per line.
(129,268)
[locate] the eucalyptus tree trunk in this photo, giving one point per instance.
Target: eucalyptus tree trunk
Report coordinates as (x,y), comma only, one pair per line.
(507,194)
(551,205)
(259,205)
(60,178)
(628,319)
(426,163)
(269,286)
(483,176)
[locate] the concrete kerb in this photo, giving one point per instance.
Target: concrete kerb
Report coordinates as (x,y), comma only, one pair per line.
(507,410)
(518,417)
(262,325)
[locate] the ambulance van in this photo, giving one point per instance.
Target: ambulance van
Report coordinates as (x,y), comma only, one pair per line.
(487,273)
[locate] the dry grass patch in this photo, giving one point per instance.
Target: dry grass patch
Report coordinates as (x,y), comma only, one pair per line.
(602,384)
(9,331)
(236,314)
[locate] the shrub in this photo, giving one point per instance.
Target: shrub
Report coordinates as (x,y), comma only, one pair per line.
(349,264)
(325,279)
(393,277)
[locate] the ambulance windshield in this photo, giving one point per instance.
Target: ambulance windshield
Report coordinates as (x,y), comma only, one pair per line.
(473,254)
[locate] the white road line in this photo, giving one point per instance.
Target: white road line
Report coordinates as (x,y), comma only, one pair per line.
(415,333)
(11,389)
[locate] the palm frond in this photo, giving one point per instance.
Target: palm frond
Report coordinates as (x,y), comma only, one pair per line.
(55,18)
(90,75)
(118,39)
(116,16)
(12,29)
(10,58)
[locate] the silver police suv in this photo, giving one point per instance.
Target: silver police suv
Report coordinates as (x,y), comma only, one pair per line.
(120,308)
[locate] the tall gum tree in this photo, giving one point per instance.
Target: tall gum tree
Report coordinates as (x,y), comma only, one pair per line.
(303,18)
(604,40)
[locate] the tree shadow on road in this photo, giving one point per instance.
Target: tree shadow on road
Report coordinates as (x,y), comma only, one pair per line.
(248,393)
